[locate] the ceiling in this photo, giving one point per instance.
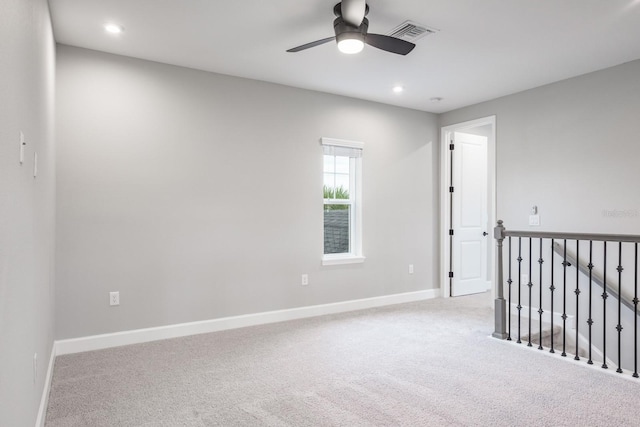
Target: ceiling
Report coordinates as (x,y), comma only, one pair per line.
(484,49)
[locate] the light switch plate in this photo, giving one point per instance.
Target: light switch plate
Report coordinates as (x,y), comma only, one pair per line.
(534,220)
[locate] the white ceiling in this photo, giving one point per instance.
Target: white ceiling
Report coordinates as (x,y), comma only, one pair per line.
(484,49)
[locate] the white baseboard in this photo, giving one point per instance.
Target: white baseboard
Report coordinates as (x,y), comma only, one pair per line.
(44,400)
(97,342)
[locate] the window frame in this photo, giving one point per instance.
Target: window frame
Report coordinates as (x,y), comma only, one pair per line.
(355,201)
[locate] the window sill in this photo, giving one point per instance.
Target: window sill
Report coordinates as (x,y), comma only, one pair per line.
(344,259)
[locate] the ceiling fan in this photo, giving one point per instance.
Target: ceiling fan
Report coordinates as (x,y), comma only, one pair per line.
(351,27)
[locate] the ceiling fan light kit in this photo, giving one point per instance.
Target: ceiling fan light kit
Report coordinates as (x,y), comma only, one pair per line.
(350,39)
(350,45)
(351,29)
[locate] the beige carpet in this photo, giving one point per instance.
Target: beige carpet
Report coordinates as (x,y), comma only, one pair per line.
(429,363)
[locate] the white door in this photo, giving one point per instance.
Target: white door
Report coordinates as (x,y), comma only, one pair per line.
(469,219)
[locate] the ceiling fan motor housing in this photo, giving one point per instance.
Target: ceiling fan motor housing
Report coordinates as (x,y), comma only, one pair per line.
(346,31)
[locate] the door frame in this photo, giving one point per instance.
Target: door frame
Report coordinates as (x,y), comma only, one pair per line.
(445,172)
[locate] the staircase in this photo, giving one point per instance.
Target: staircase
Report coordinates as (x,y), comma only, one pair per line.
(547,336)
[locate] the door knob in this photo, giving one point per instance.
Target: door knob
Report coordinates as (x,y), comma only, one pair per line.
(484,233)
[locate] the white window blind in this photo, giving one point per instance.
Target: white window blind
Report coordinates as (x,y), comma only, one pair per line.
(339,147)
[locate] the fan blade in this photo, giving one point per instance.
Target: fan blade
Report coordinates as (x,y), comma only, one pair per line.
(353,11)
(388,43)
(312,44)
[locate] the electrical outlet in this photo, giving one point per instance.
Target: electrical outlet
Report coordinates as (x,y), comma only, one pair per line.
(305,279)
(114,298)
(35,367)
(524,279)
(410,268)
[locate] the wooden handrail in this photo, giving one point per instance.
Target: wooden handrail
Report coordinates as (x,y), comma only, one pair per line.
(573,236)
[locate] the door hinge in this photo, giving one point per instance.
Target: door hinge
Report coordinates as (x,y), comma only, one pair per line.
(451,146)
(451,232)
(451,274)
(450,189)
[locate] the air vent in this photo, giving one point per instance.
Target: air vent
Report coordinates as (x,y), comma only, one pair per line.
(411,31)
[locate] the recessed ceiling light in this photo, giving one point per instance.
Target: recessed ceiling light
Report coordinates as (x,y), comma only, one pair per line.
(113,28)
(436,99)
(398,89)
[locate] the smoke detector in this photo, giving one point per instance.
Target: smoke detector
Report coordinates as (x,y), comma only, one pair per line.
(411,31)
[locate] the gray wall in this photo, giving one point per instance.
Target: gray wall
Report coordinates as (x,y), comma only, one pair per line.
(27,54)
(571,148)
(199,196)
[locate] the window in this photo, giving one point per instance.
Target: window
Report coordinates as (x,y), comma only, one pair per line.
(342,190)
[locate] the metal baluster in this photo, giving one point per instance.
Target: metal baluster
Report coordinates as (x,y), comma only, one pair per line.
(540,311)
(590,320)
(564,300)
(530,285)
(604,311)
(509,281)
(519,285)
(635,321)
(577,292)
(619,326)
(552,288)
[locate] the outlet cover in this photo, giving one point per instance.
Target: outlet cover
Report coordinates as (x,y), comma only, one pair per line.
(410,268)
(305,279)
(114,298)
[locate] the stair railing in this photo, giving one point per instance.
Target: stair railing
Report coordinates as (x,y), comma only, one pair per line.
(523,292)
(595,277)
